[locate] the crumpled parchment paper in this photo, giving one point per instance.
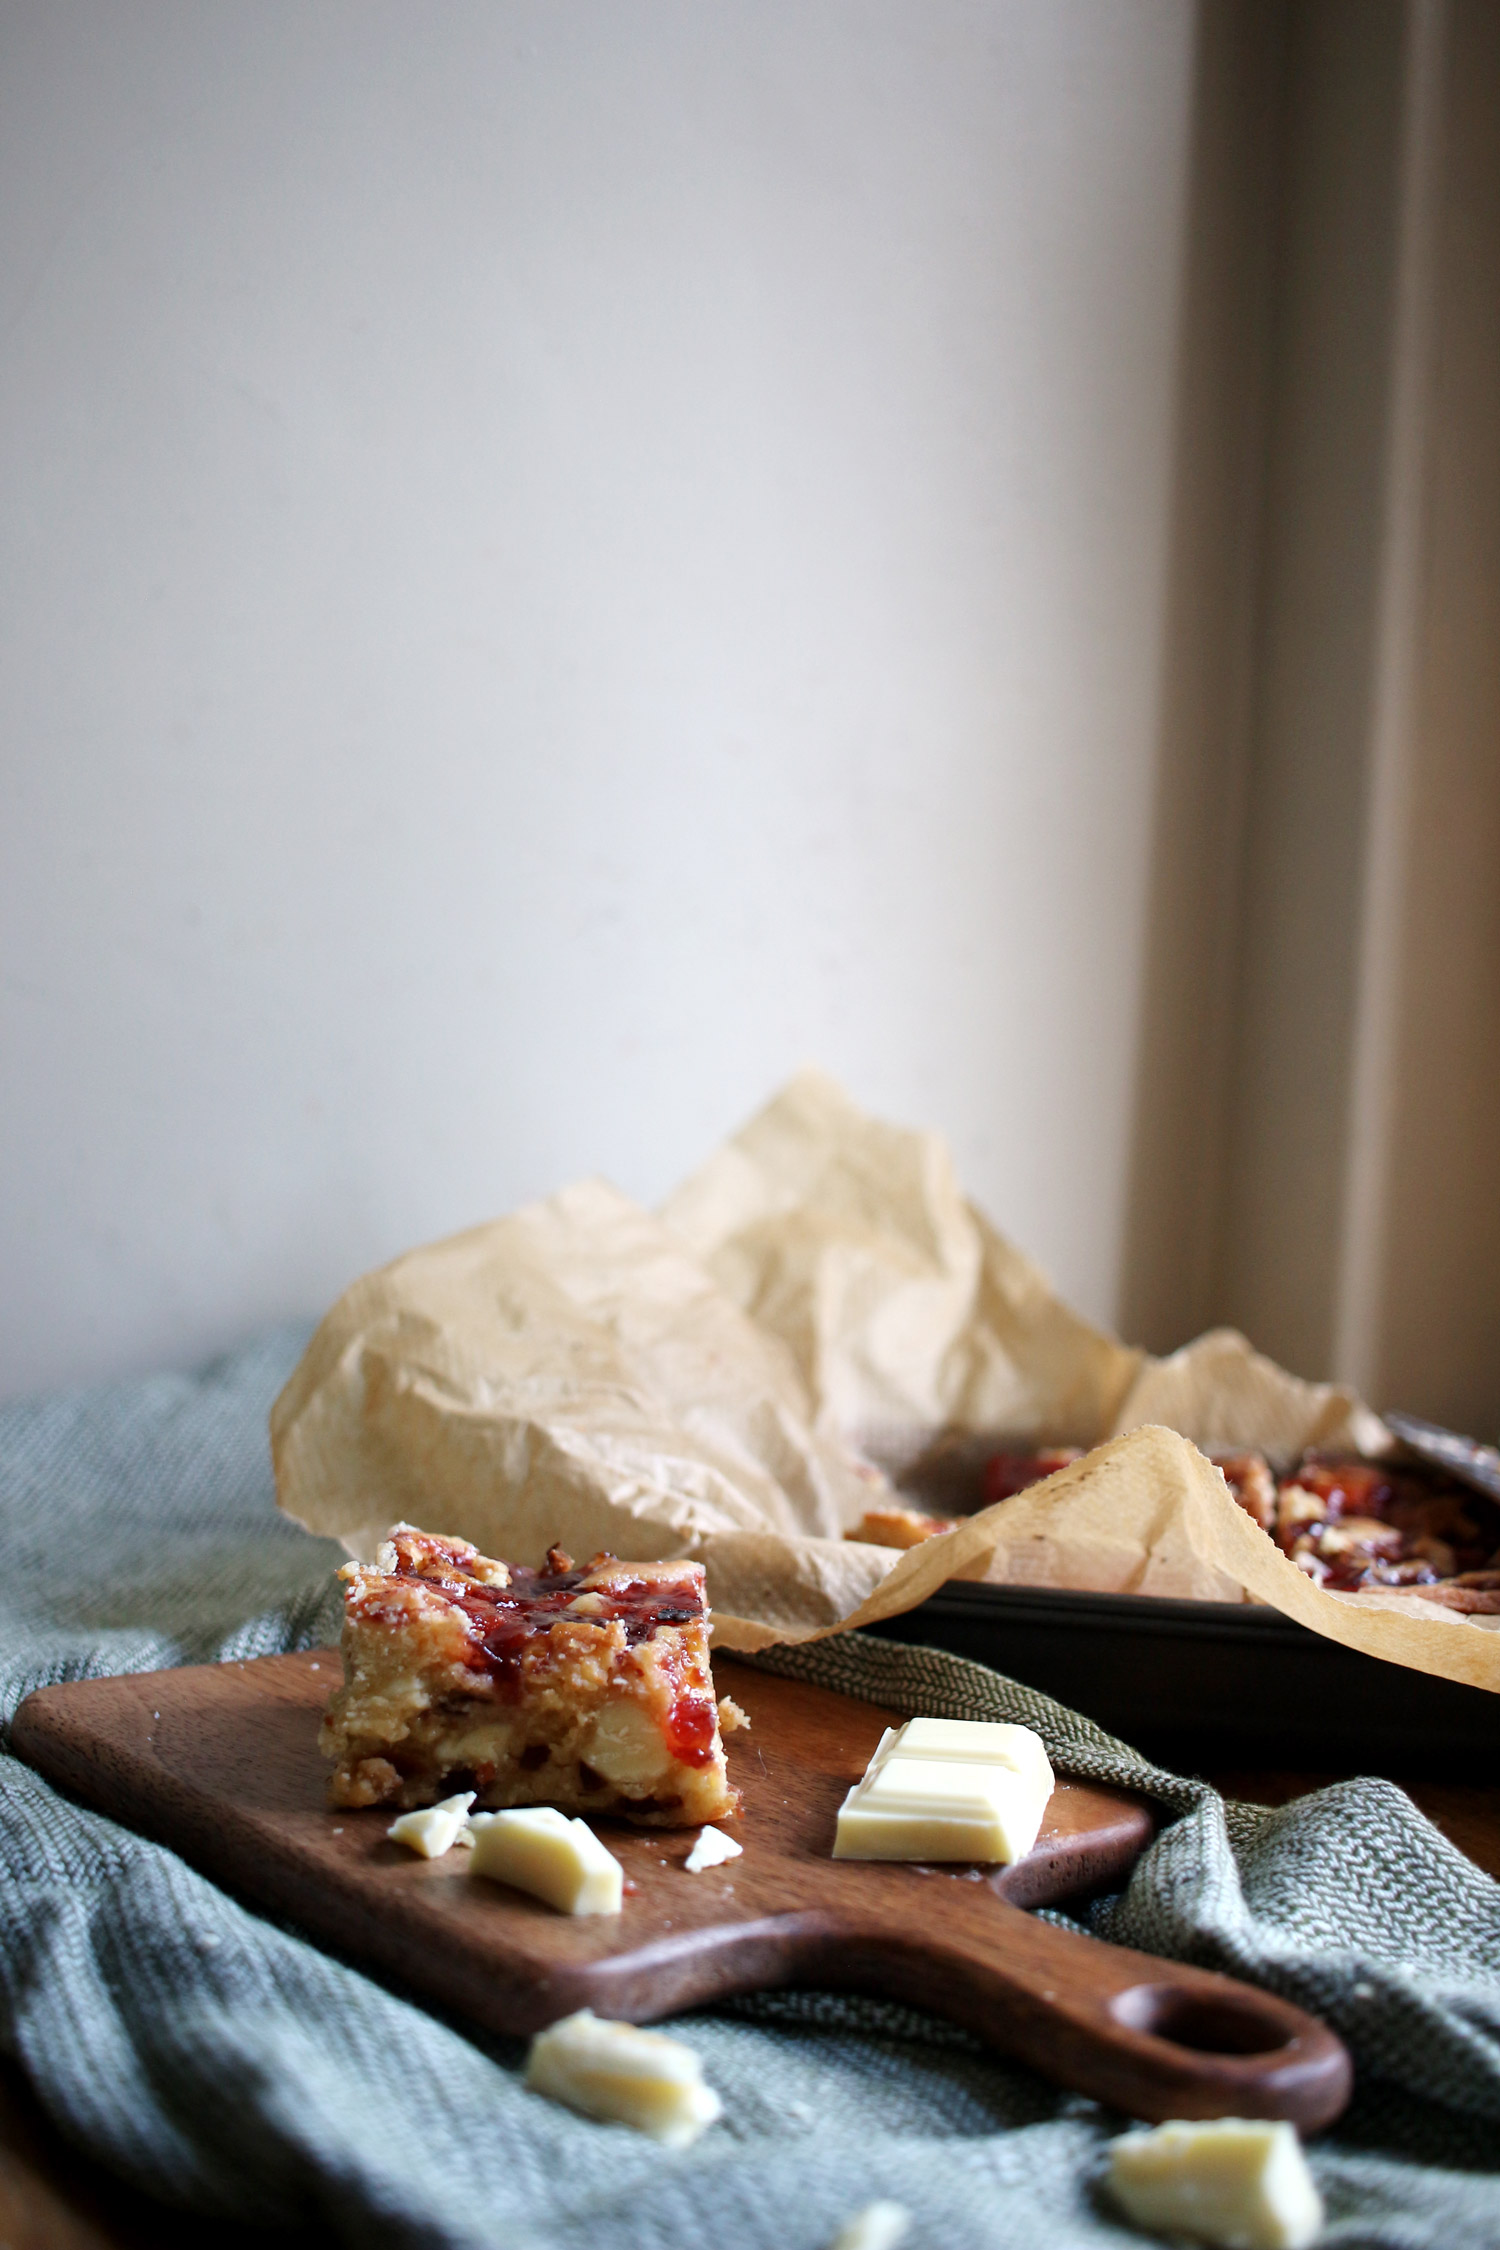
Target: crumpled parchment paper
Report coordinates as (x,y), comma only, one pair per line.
(816,1323)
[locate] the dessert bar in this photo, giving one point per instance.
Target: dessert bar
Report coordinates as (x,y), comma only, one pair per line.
(588,1689)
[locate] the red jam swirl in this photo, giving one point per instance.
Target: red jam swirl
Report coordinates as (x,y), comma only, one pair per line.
(693,1725)
(503,1621)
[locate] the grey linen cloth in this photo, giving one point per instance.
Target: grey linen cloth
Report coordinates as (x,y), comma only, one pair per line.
(219,2061)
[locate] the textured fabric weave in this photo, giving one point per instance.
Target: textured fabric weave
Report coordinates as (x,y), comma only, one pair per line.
(221,2062)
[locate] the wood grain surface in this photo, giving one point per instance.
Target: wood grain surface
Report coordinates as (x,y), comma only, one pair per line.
(221,1763)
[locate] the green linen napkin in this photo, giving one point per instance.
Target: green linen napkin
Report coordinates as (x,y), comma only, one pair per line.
(219,2061)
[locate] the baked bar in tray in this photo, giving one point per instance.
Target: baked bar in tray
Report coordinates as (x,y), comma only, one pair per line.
(1397,1525)
(588,1689)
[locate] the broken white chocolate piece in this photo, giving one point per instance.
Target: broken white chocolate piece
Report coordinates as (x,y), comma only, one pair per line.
(711,1850)
(879,2226)
(436,1829)
(560,1861)
(948,1789)
(623,2075)
(1242,2183)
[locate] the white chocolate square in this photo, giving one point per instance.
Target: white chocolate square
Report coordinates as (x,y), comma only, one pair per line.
(948,1789)
(1239,2182)
(560,1861)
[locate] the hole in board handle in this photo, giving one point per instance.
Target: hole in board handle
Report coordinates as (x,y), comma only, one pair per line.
(1205,2023)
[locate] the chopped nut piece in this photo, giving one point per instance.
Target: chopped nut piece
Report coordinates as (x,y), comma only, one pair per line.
(1358,1535)
(1296,1506)
(1242,2183)
(1249,1478)
(624,2076)
(899,1527)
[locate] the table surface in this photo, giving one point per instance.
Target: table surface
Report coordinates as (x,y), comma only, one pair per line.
(52,2199)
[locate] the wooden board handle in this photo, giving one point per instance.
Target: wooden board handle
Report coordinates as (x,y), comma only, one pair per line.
(1154,2038)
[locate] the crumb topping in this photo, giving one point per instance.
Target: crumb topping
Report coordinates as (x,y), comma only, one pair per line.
(512,1616)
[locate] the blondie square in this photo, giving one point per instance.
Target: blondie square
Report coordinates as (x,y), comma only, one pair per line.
(588,1689)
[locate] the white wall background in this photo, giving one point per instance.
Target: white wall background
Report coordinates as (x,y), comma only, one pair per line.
(560,559)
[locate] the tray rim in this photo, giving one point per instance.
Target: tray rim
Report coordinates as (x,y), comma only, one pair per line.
(1123,1612)
(1164,1615)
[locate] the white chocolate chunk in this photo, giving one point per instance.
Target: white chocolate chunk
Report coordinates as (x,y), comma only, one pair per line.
(623,2075)
(538,1849)
(627,1748)
(1242,2183)
(711,1850)
(879,2226)
(436,1828)
(948,1789)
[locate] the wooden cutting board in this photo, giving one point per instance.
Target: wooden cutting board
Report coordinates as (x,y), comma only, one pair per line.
(221,1763)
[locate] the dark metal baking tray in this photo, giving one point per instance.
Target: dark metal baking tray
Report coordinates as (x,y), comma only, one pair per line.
(1203,1685)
